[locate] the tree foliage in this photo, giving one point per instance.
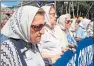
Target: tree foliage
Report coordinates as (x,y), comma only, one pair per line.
(81,8)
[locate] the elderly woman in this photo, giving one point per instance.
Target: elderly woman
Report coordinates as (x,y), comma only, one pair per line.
(64,23)
(24,30)
(60,32)
(49,45)
(81,32)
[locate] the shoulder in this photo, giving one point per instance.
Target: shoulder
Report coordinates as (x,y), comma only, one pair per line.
(9,54)
(79,30)
(8,48)
(57,27)
(7,44)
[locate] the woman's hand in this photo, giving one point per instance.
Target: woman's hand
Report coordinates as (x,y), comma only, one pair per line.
(53,57)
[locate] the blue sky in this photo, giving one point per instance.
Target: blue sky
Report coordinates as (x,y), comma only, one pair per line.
(10,3)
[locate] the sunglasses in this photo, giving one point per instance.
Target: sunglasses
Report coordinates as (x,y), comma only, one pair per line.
(38,27)
(68,21)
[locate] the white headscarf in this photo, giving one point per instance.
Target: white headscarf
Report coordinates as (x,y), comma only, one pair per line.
(47,18)
(91,25)
(84,23)
(18,26)
(61,20)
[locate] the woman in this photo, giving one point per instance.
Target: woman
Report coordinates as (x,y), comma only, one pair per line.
(81,32)
(60,32)
(64,23)
(49,45)
(24,30)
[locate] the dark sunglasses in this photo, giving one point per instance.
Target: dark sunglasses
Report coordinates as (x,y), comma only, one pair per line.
(68,21)
(38,27)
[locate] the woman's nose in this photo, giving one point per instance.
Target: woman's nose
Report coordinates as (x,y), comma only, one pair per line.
(42,31)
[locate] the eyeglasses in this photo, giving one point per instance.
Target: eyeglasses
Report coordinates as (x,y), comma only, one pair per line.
(38,27)
(68,21)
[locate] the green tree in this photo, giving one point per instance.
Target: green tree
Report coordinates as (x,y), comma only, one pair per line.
(76,8)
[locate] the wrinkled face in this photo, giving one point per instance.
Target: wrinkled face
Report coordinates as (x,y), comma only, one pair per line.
(52,16)
(67,23)
(37,28)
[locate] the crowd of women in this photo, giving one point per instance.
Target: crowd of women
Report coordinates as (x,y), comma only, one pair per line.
(34,37)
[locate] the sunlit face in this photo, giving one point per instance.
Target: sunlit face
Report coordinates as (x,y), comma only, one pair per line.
(52,16)
(37,28)
(67,23)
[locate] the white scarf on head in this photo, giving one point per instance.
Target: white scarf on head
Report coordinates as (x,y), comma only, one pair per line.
(61,20)
(47,18)
(91,25)
(84,23)
(18,26)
